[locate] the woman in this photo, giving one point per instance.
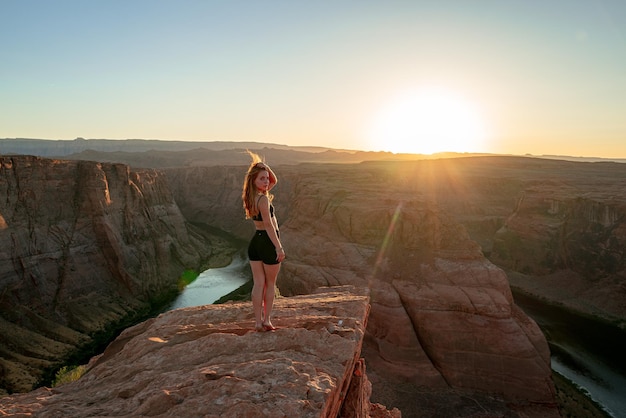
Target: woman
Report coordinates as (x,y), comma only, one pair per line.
(265,250)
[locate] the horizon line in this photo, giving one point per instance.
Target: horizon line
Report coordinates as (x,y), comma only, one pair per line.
(435,154)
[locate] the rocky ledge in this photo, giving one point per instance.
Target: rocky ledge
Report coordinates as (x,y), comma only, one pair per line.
(207,361)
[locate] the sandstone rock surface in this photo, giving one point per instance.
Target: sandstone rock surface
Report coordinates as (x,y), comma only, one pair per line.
(559,227)
(416,234)
(208,362)
(442,317)
(84,246)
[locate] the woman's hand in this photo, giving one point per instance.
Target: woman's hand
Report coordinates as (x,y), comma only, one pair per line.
(280,254)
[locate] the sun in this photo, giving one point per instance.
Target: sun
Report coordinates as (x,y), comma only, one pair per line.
(427,121)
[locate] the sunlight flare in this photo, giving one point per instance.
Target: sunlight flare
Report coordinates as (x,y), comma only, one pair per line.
(390,230)
(427,121)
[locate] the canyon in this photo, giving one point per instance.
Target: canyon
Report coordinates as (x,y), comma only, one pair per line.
(370,221)
(435,242)
(556,227)
(85,248)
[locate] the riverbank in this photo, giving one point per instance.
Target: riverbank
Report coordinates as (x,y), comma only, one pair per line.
(587,356)
(563,290)
(224,248)
(241,294)
(573,402)
(212,284)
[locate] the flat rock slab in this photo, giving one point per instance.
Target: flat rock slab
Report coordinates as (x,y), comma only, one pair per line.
(208,361)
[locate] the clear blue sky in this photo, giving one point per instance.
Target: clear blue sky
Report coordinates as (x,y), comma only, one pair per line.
(538,76)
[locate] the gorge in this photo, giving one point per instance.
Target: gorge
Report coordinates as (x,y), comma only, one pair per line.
(450,305)
(85,248)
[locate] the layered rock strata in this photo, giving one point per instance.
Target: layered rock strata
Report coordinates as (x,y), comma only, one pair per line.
(207,361)
(557,227)
(84,247)
(396,227)
(443,320)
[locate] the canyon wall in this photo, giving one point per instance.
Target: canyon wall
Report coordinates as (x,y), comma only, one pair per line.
(443,329)
(555,227)
(570,248)
(84,247)
(558,228)
(443,324)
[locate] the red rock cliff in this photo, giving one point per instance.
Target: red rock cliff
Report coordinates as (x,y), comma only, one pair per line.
(443,324)
(83,246)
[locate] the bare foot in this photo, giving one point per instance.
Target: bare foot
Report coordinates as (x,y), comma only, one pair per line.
(269,327)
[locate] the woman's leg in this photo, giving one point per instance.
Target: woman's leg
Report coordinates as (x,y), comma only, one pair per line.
(271,273)
(258,290)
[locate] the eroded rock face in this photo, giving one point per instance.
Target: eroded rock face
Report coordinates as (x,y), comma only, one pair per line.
(83,246)
(552,224)
(207,361)
(442,315)
(569,247)
(442,318)
(211,196)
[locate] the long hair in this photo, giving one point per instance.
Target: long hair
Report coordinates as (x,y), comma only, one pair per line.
(250,192)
